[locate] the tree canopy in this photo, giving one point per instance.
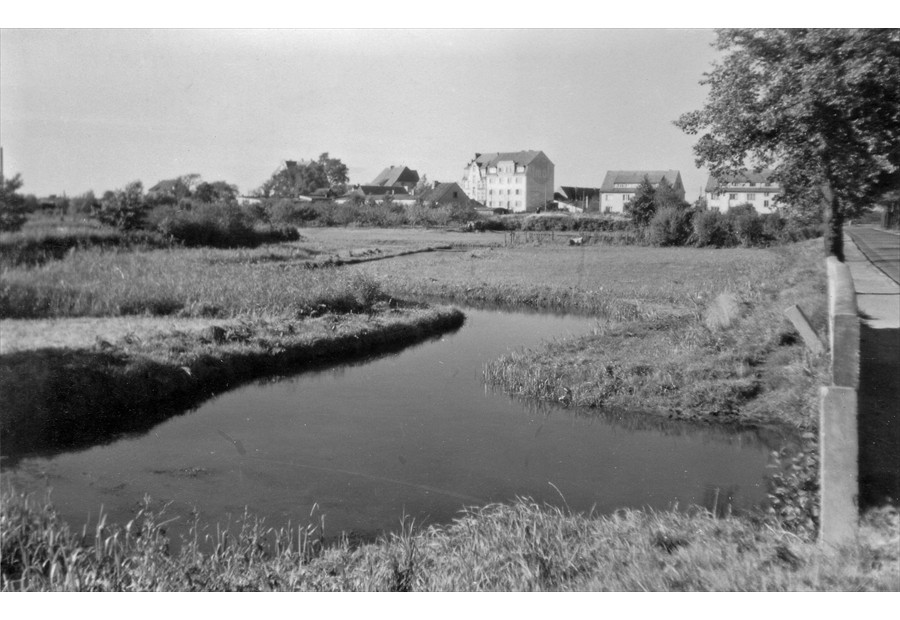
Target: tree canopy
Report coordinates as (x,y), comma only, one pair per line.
(820,107)
(302,178)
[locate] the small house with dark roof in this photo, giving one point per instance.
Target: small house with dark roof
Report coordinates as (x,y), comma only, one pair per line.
(168,188)
(397,176)
(444,193)
(747,187)
(518,181)
(377,193)
(620,186)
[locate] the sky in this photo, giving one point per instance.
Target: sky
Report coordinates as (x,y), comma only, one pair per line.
(89,109)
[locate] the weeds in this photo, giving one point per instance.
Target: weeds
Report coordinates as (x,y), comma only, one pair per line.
(521,546)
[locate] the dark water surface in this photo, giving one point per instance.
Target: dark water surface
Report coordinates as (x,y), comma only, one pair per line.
(412,433)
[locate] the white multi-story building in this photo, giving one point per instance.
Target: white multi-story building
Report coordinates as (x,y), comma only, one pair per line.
(620,186)
(519,181)
(748,187)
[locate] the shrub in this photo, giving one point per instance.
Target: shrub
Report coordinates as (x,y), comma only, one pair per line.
(286,211)
(216,225)
(13,209)
(748,229)
(711,229)
(670,226)
(124,209)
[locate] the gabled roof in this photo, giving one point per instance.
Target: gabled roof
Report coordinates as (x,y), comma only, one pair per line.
(761,178)
(164,186)
(636,176)
(520,157)
(394,175)
(442,190)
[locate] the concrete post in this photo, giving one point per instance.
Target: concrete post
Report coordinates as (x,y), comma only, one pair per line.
(806,331)
(838,435)
(843,325)
(838,466)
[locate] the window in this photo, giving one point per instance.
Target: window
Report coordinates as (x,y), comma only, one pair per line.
(732,196)
(765,203)
(751,196)
(517,192)
(456,194)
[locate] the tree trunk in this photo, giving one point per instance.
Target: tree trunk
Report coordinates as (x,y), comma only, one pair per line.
(834,224)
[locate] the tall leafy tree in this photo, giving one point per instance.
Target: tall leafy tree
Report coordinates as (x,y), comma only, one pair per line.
(820,107)
(217,191)
(665,197)
(304,177)
(643,206)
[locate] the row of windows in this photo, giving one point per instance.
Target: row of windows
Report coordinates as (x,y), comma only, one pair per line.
(495,180)
(505,169)
(504,203)
(500,191)
(749,196)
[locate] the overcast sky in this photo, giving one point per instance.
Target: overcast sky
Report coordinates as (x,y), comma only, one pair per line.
(96,109)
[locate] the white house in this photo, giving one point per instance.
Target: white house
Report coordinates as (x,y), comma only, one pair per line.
(620,186)
(518,181)
(748,187)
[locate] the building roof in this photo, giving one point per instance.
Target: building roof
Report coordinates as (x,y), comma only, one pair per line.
(760,178)
(442,190)
(636,176)
(379,190)
(394,175)
(520,157)
(164,186)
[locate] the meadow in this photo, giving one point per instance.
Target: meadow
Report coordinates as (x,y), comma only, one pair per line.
(665,347)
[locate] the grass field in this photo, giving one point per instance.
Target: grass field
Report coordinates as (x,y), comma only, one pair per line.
(657,350)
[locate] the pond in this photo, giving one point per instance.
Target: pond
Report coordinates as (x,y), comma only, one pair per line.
(411,434)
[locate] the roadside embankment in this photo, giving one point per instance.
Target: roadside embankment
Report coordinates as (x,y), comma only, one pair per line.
(53,398)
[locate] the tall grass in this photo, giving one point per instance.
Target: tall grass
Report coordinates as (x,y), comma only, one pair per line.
(189,283)
(522,546)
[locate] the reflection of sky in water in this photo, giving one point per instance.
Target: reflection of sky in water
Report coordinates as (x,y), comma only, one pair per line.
(411,433)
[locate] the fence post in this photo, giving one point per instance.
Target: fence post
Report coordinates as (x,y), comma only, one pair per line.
(838,411)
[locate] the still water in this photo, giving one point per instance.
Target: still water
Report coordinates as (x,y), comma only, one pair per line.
(413,433)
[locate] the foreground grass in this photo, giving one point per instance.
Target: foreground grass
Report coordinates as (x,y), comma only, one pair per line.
(517,547)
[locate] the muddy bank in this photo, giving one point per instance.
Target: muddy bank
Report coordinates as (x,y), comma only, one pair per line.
(63,399)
